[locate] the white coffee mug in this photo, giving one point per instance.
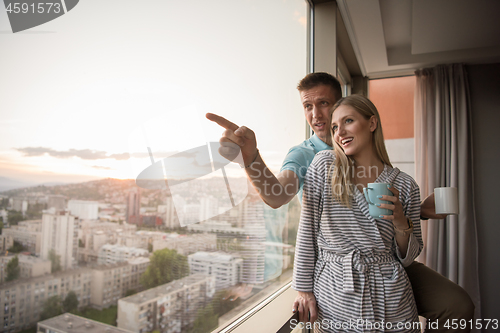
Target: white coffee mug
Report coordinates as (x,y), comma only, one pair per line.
(446,199)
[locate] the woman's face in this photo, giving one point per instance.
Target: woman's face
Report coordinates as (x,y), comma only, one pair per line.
(352,131)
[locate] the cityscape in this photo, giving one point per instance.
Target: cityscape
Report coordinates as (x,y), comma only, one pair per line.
(109,256)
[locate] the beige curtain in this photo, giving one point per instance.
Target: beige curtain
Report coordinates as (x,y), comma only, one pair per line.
(443,157)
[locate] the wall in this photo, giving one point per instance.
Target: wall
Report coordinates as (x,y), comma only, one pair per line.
(393,98)
(484,81)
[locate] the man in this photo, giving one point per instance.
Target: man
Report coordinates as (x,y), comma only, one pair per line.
(437,297)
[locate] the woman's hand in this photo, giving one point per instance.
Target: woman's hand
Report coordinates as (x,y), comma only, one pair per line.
(398,217)
(305,303)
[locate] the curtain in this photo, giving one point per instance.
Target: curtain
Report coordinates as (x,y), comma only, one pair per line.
(443,157)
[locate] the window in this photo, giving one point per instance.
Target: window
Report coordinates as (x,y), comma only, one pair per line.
(394,98)
(241,59)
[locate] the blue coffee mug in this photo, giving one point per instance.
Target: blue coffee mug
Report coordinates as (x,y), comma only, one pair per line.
(371,192)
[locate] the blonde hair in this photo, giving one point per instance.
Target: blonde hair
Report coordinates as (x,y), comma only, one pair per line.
(342,187)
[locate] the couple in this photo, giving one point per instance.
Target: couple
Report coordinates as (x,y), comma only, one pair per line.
(349,266)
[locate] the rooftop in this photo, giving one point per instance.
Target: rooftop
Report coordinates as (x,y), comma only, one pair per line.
(131,261)
(213,256)
(131,250)
(164,289)
(75,324)
(43,278)
(28,258)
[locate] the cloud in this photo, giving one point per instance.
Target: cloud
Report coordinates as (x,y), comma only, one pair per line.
(156,154)
(84,154)
(102,167)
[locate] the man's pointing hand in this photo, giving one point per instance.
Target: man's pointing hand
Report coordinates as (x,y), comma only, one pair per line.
(234,139)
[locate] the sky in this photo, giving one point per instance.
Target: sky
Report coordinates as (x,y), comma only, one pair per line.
(81,94)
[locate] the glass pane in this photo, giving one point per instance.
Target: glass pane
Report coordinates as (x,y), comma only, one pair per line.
(113,92)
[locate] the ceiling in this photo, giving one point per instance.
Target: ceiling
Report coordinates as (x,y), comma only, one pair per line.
(395,37)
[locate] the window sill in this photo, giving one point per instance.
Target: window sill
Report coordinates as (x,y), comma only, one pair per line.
(271,315)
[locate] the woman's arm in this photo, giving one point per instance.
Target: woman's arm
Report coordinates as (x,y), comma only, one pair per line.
(408,243)
(398,218)
(411,208)
(306,250)
(306,245)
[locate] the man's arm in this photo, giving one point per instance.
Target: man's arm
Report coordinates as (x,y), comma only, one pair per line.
(275,191)
(428,209)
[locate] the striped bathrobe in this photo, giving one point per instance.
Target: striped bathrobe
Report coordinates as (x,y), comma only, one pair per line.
(350,260)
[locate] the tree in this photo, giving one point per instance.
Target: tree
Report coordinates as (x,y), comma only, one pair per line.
(130,292)
(56,260)
(13,269)
(224,301)
(14,217)
(70,303)
(51,308)
(16,248)
(35,211)
(4,203)
(166,265)
(206,320)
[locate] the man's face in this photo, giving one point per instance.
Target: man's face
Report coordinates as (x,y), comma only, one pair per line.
(317,103)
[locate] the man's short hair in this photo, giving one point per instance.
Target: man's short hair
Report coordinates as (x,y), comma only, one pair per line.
(313,80)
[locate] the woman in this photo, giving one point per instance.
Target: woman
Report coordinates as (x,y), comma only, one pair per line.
(348,265)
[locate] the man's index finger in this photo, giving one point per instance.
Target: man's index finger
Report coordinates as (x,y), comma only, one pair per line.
(221,121)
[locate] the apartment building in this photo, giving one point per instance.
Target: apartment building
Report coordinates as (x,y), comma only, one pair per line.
(6,242)
(111,282)
(99,287)
(23,299)
(133,241)
(27,233)
(94,234)
(5,216)
(60,233)
(70,323)
(31,225)
(226,268)
(141,238)
(56,201)
(170,308)
(83,209)
(113,253)
(187,244)
(168,214)
(29,266)
(213,226)
(132,213)
(20,204)
(4,260)
(151,236)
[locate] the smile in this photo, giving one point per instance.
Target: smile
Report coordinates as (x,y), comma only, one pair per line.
(346,141)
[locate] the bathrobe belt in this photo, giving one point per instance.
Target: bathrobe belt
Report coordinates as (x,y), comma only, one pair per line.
(354,260)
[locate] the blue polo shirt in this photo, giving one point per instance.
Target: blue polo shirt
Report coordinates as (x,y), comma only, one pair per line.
(300,157)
